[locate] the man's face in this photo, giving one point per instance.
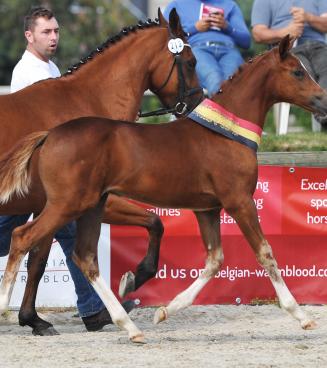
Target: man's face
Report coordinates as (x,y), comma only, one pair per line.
(43,38)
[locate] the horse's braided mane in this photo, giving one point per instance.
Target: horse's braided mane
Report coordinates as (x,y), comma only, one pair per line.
(112,40)
(245,66)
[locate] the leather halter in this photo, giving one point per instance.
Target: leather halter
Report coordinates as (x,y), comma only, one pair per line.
(181,108)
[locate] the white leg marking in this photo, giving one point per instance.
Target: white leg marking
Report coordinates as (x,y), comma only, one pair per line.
(117,312)
(8,283)
(286,299)
(186,298)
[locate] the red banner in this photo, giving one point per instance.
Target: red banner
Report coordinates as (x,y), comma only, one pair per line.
(292,209)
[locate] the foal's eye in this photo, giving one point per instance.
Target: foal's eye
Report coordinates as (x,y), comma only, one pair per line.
(298,74)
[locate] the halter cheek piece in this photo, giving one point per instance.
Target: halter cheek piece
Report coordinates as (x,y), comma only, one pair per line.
(176,46)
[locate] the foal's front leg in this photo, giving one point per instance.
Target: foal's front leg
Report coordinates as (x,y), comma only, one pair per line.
(247,218)
(85,256)
(210,232)
(119,211)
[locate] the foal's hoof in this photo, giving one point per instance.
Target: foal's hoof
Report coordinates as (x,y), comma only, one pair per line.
(160,315)
(309,325)
(127,284)
(138,339)
(50,331)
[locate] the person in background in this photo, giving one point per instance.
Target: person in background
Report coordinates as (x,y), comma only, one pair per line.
(42,35)
(216,28)
(305,20)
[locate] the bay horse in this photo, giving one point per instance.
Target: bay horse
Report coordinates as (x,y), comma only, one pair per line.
(182,164)
(110,82)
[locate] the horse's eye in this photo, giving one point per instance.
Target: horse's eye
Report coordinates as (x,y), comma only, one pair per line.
(298,73)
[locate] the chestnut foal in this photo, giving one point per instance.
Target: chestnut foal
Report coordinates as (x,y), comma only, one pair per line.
(198,163)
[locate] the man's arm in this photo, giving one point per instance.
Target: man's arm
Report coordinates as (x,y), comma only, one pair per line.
(237,28)
(318,22)
(263,34)
(261,21)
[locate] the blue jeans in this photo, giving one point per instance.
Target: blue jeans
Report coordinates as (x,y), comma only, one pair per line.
(214,64)
(88,301)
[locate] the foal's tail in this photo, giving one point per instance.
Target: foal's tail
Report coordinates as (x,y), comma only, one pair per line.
(14,166)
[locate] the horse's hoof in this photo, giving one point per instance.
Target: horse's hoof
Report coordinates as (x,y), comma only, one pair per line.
(309,325)
(138,339)
(127,284)
(50,331)
(160,315)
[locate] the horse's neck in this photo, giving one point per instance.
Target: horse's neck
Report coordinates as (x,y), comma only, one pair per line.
(248,97)
(111,85)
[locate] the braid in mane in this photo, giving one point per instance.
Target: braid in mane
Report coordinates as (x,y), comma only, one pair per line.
(111,41)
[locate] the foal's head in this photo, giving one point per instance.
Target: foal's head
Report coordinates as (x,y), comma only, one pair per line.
(292,83)
(173,76)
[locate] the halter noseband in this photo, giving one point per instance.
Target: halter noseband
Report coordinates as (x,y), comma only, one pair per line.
(176,46)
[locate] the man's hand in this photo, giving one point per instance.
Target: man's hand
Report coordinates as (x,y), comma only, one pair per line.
(217,20)
(299,15)
(203,25)
(295,29)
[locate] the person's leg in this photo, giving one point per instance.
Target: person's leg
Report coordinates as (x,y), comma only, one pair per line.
(304,54)
(229,60)
(7,225)
(90,306)
(88,302)
(318,61)
(313,56)
(207,69)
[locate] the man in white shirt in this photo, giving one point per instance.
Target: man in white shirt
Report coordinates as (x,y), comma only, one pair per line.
(42,35)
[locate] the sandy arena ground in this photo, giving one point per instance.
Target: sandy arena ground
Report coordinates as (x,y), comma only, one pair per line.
(200,336)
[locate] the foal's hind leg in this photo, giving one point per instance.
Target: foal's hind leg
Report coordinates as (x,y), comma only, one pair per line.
(85,256)
(37,260)
(247,218)
(210,232)
(118,211)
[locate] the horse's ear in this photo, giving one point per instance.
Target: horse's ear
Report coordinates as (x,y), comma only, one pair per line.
(162,20)
(284,46)
(175,24)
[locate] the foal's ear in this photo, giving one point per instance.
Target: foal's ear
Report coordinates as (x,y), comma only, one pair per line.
(284,46)
(162,20)
(175,24)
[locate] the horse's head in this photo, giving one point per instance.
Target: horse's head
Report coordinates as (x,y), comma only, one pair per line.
(293,82)
(173,78)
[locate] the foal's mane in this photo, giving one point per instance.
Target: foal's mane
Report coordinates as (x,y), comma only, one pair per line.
(111,41)
(246,67)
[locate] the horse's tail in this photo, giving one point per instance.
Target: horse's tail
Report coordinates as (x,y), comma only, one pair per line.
(14,166)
